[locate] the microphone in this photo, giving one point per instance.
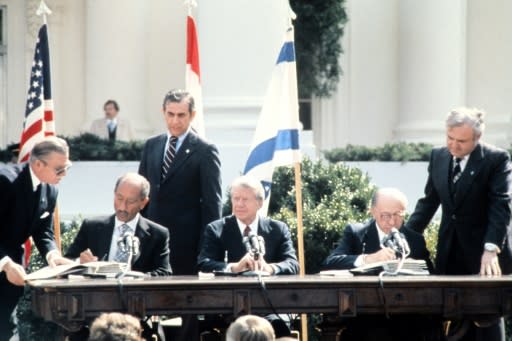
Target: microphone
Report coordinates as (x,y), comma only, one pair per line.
(397,242)
(130,244)
(255,245)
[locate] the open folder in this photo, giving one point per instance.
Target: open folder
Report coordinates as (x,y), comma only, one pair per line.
(99,269)
(410,267)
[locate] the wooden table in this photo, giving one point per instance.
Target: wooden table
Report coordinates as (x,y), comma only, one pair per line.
(71,303)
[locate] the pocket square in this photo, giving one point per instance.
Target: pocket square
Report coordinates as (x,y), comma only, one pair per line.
(44,215)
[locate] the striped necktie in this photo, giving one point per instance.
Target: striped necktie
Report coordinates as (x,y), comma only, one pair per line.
(169,156)
(456,173)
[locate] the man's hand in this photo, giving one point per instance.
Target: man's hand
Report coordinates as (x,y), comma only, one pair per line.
(87,256)
(56,259)
(490,265)
(249,263)
(381,255)
(15,273)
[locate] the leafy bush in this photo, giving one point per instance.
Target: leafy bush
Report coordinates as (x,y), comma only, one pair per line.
(401,151)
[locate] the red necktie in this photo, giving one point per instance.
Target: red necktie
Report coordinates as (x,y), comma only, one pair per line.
(247,231)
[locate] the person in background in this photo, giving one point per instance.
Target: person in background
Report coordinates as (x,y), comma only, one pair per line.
(472,182)
(250,328)
(28,196)
(98,238)
(112,126)
(116,327)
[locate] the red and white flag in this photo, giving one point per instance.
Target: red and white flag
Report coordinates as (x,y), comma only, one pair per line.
(38,121)
(193,75)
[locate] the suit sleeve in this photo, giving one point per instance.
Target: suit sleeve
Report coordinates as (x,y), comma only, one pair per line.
(288,265)
(5,199)
(211,191)
(344,256)
(211,251)
(161,255)
(499,196)
(426,206)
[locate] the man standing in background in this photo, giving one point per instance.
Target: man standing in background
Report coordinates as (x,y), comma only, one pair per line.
(112,127)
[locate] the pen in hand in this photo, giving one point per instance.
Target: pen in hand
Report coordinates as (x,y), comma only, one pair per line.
(104,257)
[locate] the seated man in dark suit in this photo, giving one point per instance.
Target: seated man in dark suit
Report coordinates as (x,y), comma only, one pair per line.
(223,246)
(97,238)
(360,245)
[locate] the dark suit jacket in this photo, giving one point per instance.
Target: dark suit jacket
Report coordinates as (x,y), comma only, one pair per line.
(480,211)
(96,234)
(187,199)
(25,212)
(364,238)
(224,235)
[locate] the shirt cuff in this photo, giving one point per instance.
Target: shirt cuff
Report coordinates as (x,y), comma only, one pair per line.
(359,261)
(4,261)
(51,253)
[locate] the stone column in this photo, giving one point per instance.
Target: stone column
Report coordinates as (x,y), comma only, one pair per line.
(432,67)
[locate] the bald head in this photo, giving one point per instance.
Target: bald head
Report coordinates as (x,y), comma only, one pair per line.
(388,208)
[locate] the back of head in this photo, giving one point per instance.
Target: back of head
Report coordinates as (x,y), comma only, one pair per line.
(115,327)
(250,328)
(48,145)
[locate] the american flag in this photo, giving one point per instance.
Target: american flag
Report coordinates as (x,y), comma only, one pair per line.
(38,121)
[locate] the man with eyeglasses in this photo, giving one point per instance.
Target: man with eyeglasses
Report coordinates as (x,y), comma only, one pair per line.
(362,244)
(27,199)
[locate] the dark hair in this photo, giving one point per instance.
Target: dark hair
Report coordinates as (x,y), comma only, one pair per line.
(114,103)
(115,327)
(178,96)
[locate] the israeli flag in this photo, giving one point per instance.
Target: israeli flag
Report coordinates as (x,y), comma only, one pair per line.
(276,140)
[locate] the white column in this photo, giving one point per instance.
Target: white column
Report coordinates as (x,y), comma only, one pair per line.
(489,78)
(115,59)
(432,67)
(363,109)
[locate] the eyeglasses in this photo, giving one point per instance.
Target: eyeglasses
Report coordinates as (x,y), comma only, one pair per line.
(58,171)
(397,215)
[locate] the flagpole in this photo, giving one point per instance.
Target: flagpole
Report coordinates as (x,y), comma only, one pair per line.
(44,10)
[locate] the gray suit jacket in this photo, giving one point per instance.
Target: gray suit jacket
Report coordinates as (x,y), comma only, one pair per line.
(480,212)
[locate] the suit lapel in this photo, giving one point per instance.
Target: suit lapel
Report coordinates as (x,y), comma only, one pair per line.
(442,173)
(467,177)
(157,158)
(370,238)
(186,149)
(105,237)
(141,232)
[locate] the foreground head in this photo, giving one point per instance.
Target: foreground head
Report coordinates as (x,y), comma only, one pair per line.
(49,159)
(464,127)
(250,328)
(111,109)
(179,111)
(131,194)
(388,208)
(115,327)
(247,195)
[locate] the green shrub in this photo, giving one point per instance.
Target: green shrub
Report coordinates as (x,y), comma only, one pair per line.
(401,151)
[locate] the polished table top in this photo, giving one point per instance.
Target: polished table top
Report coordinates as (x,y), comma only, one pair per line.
(72,302)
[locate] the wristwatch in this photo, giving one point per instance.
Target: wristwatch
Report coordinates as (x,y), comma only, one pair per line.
(491,247)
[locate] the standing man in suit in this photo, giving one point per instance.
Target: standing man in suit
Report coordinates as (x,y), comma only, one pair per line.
(97,238)
(27,201)
(112,126)
(361,243)
(184,172)
(223,247)
(472,182)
